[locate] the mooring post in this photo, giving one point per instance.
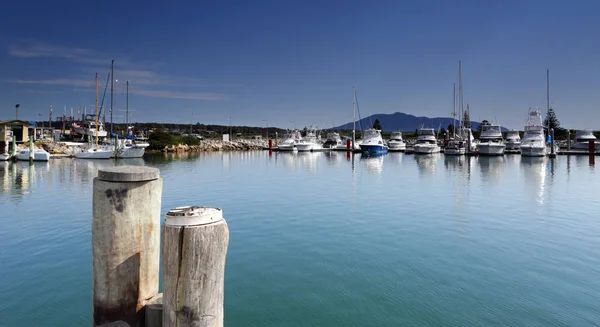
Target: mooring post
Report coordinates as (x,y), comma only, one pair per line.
(14,147)
(568,140)
(125,243)
(552,150)
(591,147)
(31,148)
(194,248)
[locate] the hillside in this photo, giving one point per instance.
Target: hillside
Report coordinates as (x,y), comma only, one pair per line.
(399,121)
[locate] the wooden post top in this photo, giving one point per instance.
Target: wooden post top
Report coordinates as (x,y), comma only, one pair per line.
(193,216)
(128,174)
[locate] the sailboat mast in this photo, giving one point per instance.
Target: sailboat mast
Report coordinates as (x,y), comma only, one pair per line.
(354,119)
(127,107)
(112,78)
(460,95)
(97,111)
(548,98)
(454,109)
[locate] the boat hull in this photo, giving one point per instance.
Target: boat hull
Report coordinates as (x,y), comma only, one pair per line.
(397,146)
(91,154)
(4,157)
(286,147)
(454,151)
(513,146)
(373,148)
(584,146)
(533,151)
(130,152)
(37,156)
(304,147)
(491,149)
(426,149)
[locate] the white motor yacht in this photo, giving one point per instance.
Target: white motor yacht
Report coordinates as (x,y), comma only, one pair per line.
(582,141)
(513,141)
(396,142)
(289,140)
(533,144)
(491,142)
(426,142)
(310,142)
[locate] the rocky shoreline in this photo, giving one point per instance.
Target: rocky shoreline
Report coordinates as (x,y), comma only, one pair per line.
(61,149)
(215,145)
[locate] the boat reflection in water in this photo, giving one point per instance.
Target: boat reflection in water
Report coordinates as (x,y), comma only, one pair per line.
(334,158)
(491,168)
(455,163)
(395,157)
(427,163)
(372,162)
(534,175)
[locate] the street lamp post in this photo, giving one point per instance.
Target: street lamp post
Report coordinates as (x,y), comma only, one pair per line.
(17,110)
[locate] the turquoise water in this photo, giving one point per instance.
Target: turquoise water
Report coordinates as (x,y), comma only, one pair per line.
(322,239)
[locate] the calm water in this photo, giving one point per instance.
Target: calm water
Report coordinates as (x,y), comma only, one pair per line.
(324,240)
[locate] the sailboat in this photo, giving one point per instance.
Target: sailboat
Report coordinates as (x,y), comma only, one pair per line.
(95,152)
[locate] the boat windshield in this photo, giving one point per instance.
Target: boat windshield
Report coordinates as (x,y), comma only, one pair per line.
(490,129)
(427,131)
(371,133)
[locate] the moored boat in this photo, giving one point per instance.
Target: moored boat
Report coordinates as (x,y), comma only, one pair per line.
(533,143)
(426,142)
(582,141)
(372,142)
(491,142)
(513,142)
(38,155)
(289,140)
(396,142)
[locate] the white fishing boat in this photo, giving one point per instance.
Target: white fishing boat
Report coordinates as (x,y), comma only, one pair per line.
(426,142)
(334,141)
(396,142)
(491,142)
(582,141)
(95,152)
(513,142)
(372,142)
(310,142)
(533,143)
(38,155)
(289,140)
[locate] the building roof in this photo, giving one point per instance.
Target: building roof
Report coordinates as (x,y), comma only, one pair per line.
(17,122)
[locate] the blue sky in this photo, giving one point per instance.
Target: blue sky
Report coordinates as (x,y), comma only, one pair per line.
(284,61)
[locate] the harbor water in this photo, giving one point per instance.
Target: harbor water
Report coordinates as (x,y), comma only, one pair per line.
(330,239)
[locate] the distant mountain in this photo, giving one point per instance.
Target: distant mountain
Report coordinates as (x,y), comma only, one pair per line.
(399,121)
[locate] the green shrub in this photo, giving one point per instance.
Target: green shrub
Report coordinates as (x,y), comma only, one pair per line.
(159,140)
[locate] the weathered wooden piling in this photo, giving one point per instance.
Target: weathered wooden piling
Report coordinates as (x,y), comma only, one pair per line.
(31,149)
(14,147)
(591,147)
(154,311)
(568,140)
(194,248)
(125,242)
